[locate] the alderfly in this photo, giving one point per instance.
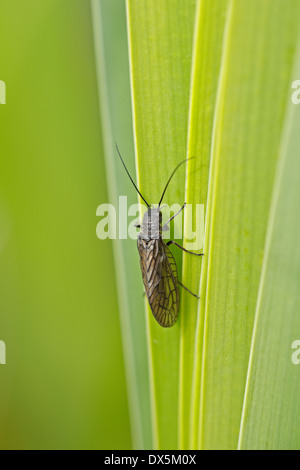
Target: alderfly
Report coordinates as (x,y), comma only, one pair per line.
(159,270)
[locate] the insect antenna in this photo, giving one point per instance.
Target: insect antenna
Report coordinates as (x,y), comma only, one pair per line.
(179,164)
(130,177)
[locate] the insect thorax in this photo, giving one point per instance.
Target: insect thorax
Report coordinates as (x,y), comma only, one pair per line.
(151,225)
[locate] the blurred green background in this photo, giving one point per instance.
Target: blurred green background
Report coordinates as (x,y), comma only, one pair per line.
(64,383)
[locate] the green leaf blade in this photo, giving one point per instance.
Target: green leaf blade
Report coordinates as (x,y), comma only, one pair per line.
(272,408)
(160,38)
(248,126)
(208,46)
(110,39)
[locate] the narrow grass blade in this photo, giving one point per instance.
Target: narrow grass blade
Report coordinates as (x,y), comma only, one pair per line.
(161,40)
(110,34)
(251,106)
(208,43)
(272,407)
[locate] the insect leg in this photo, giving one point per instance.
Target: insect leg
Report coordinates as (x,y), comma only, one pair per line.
(187,251)
(195,295)
(165,227)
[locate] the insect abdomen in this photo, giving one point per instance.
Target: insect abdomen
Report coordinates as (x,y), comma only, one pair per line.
(159,274)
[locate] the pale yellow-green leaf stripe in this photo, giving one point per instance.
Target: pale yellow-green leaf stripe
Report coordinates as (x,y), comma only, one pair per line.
(110,39)
(160,43)
(272,406)
(208,45)
(250,113)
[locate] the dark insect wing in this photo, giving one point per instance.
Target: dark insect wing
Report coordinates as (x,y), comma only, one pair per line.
(160,279)
(170,286)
